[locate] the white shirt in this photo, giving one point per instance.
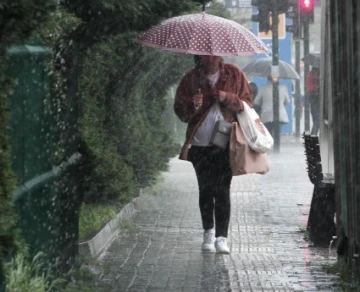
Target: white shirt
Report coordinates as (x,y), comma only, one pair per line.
(203,134)
(213,78)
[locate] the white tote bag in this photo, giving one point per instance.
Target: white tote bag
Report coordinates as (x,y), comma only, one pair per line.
(256,134)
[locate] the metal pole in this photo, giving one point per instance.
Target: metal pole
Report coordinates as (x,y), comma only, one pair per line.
(306,70)
(275,75)
(203,7)
(298,108)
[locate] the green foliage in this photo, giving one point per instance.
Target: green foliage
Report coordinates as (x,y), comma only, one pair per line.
(218,9)
(7,177)
(105,18)
(347,281)
(34,276)
(93,218)
(154,188)
(122,92)
(122,100)
(60,24)
(20,18)
(126,224)
(108,176)
(88,277)
(72,30)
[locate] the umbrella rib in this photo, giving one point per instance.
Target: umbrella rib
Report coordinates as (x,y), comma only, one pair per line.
(196,26)
(211,40)
(231,41)
(247,38)
(173,36)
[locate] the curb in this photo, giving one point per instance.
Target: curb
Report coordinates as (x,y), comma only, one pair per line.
(107,235)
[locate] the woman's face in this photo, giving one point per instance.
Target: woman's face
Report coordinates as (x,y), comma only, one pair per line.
(210,63)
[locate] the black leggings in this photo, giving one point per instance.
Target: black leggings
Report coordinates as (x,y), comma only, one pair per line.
(214,176)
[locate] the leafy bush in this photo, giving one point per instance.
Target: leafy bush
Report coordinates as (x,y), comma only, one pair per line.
(123,96)
(107,18)
(8,235)
(22,275)
(20,18)
(93,217)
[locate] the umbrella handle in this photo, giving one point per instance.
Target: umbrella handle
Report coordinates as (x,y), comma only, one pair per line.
(199,92)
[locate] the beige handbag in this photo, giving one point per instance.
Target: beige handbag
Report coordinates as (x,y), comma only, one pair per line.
(244,160)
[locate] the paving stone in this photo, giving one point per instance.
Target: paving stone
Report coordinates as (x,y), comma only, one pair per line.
(268,253)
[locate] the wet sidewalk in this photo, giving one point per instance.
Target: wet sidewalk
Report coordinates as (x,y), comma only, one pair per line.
(161,252)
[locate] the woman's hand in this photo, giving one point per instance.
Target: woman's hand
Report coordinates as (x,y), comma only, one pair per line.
(198,100)
(220,95)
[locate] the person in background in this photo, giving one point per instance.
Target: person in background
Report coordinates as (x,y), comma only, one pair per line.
(254,89)
(211,91)
(264,99)
(313,93)
(298,105)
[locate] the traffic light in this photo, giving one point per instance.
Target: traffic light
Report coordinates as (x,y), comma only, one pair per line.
(263,16)
(306,8)
(294,14)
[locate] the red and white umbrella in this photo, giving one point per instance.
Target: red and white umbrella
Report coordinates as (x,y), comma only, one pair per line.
(202,34)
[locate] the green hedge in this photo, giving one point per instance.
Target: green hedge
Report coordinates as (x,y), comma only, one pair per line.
(120,88)
(123,97)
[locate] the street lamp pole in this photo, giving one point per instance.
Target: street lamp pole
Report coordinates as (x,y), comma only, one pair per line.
(306,70)
(275,75)
(298,108)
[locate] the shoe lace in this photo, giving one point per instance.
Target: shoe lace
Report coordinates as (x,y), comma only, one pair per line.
(222,241)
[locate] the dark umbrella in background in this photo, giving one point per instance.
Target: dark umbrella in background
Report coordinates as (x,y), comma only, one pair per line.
(262,67)
(313,59)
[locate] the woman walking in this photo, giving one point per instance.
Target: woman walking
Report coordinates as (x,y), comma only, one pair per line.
(211,91)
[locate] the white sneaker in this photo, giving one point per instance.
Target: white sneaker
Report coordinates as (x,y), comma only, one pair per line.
(209,238)
(221,245)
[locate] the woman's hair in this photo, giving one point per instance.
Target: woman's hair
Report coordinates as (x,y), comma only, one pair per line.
(197,60)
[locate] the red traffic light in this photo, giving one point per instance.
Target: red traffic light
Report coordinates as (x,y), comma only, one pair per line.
(307,5)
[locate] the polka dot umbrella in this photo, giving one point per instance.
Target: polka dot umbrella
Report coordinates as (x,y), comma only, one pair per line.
(202,34)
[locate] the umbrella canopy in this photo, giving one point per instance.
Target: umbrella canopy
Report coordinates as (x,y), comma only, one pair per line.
(202,34)
(313,59)
(262,67)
